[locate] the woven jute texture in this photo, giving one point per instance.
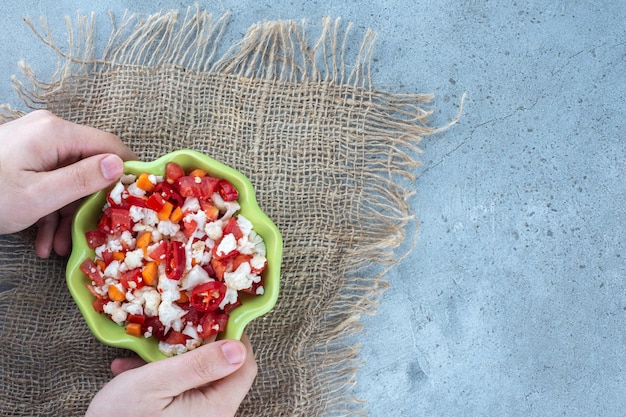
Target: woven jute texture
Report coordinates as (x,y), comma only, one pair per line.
(330,157)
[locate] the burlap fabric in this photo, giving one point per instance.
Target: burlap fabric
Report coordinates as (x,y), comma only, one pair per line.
(325,150)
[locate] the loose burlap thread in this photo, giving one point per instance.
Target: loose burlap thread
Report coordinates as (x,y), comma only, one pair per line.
(326,152)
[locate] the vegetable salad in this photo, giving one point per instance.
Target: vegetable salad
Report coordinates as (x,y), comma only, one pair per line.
(172,256)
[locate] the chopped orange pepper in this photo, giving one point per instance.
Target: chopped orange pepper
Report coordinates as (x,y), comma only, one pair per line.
(119,256)
(183,297)
(144,240)
(133,329)
(198,173)
(149,273)
(115,294)
(177,215)
(165,212)
(212,213)
(144,182)
(101,264)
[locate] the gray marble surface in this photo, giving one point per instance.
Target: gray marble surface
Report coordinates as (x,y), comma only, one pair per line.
(513,301)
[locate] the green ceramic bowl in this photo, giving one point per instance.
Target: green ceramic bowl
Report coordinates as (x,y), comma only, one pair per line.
(252,307)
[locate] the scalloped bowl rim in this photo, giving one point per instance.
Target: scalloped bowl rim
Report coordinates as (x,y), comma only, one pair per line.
(252,307)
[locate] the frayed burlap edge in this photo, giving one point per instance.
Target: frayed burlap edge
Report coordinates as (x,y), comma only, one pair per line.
(279,52)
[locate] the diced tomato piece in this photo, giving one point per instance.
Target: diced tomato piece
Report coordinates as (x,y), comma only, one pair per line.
(104,223)
(158,252)
(220,266)
(212,213)
(95,238)
(189,227)
(154,325)
(233,227)
(155,202)
(120,220)
(200,187)
(132,200)
(168,193)
(240,259)
(134,318)
(227,190)
(107,256)
(98,304)
(132,279)
(176,338)
(175,260)
(89,268)
(212,323)
(208,296)
(173,172)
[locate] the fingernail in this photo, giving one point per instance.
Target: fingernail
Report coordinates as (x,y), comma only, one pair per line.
(111,167)
(233,352)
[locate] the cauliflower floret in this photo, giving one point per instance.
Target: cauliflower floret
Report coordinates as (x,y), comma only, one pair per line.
(134,259)
(197,251)
(113,270)
(168,289)
(172,350)
(227,245)
(128,179)
(190,205)
(258,262)
(168,228)
(151,217)
(229,207)
(133,308)
(115,245)
(214,229)
(229,298)
(195,277)
(116,193)
(127,240)
(239,279)
(244,225)
(137,213)
(114,309)
(136,191)
(170,314)
(150,298)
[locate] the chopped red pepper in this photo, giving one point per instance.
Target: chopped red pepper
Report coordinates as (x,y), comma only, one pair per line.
(227,190)
(208,296)
(175,260)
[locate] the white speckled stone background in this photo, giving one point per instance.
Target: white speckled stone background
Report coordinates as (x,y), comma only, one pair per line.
(513,301)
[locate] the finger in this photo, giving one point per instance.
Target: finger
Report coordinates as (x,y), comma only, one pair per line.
(46,226)
(74,182)
(232,390)
(196,368)
(73,140)
(121,365)
(62,243)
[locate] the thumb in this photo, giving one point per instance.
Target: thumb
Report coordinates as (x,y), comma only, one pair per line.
(196,368)
(73,182)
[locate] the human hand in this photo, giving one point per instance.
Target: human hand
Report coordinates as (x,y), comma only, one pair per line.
(46,165)
(211,380)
